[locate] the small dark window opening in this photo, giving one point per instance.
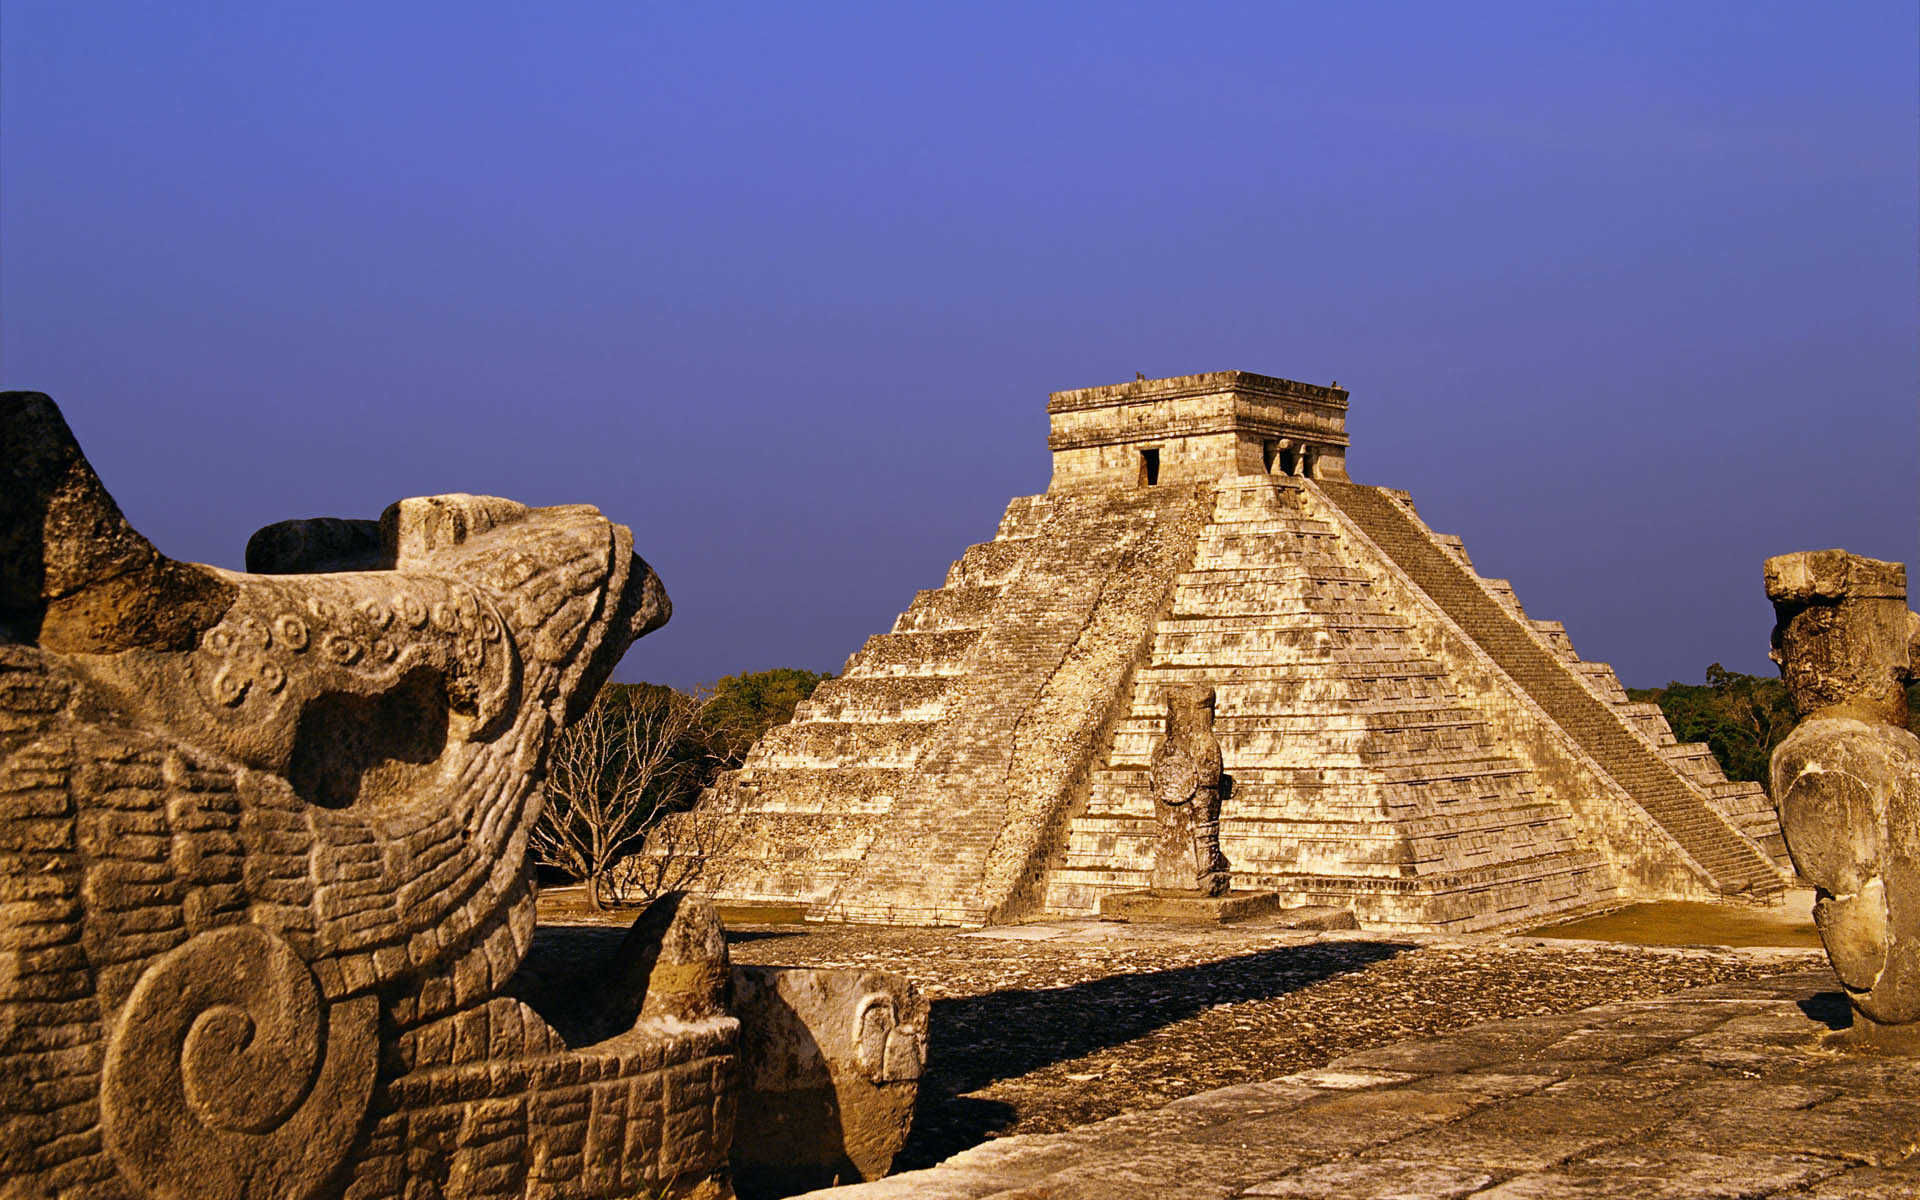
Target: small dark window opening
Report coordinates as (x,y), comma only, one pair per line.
(1150,466)
(1288,458)
(1269,450)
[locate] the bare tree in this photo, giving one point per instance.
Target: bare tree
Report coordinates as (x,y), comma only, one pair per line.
(685,851)
(611,774)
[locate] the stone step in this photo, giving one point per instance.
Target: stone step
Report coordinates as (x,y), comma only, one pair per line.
(1304,722)
(844,744)
(1244,603)
(1250,822)
(1512,893)
(1695,760)
(1023,517)
(1242,553)
(1265,526)
(1555,634)
(1733,862)
(1454,546)
(1345,670)
(947,608)
(861,790)
(1648,720)
(1279,621)
(877,698)
(766,857)
(987,564)
(1327,655)
(1503,593)
(1601,678)
(1325,571)
(940,653)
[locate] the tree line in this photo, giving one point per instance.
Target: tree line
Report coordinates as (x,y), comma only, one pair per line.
(1740,717)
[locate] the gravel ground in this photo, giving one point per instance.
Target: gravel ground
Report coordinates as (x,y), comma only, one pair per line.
(1043,1028)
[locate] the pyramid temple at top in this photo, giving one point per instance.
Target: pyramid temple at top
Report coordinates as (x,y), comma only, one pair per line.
(1403,740)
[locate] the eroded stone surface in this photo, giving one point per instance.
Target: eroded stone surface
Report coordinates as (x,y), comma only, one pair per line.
(264,880)
(832,1063)
(1186,780)
(1847,779)
(1495,1112)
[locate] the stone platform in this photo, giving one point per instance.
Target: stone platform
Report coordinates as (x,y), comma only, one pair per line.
(1194,909)
(1725,1091)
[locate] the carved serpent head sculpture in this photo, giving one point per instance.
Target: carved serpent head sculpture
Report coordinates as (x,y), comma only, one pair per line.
(263,840)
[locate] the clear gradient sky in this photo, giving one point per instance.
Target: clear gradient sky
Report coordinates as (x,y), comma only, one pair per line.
(1625,293)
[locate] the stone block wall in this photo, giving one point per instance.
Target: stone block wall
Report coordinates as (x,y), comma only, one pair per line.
(1191,430)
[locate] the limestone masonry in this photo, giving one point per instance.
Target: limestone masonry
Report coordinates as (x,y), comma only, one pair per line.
(1403,740)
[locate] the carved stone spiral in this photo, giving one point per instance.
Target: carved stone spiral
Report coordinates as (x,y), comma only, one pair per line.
(228,1074)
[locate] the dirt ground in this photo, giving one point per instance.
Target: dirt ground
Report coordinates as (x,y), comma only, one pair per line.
(1036,1028)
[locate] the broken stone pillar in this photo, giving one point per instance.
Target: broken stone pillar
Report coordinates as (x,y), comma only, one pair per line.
(1186,780)
(1847,779)
(832,1062)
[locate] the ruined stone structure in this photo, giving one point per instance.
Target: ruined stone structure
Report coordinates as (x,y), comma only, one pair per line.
(1405,741)
(1847,779)
(264,883)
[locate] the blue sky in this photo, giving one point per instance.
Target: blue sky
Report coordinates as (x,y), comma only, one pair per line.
(1625,293)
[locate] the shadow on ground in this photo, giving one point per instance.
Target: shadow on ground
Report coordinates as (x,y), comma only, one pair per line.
(1831,1009)
(975,1041)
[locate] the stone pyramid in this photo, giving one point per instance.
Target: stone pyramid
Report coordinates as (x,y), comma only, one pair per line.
(1403,740)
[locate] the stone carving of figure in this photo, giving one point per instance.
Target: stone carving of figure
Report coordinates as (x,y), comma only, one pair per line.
(1186,782)
(1847,779)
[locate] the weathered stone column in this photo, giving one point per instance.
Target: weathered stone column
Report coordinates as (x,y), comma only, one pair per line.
(1847,779)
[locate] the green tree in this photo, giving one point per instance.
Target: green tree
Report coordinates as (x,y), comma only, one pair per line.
(740,708)
(1740,717)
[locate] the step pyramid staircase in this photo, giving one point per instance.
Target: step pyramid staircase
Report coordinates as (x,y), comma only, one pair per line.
(1722,827)
(1377,770)
(1403,740)
(927,783)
